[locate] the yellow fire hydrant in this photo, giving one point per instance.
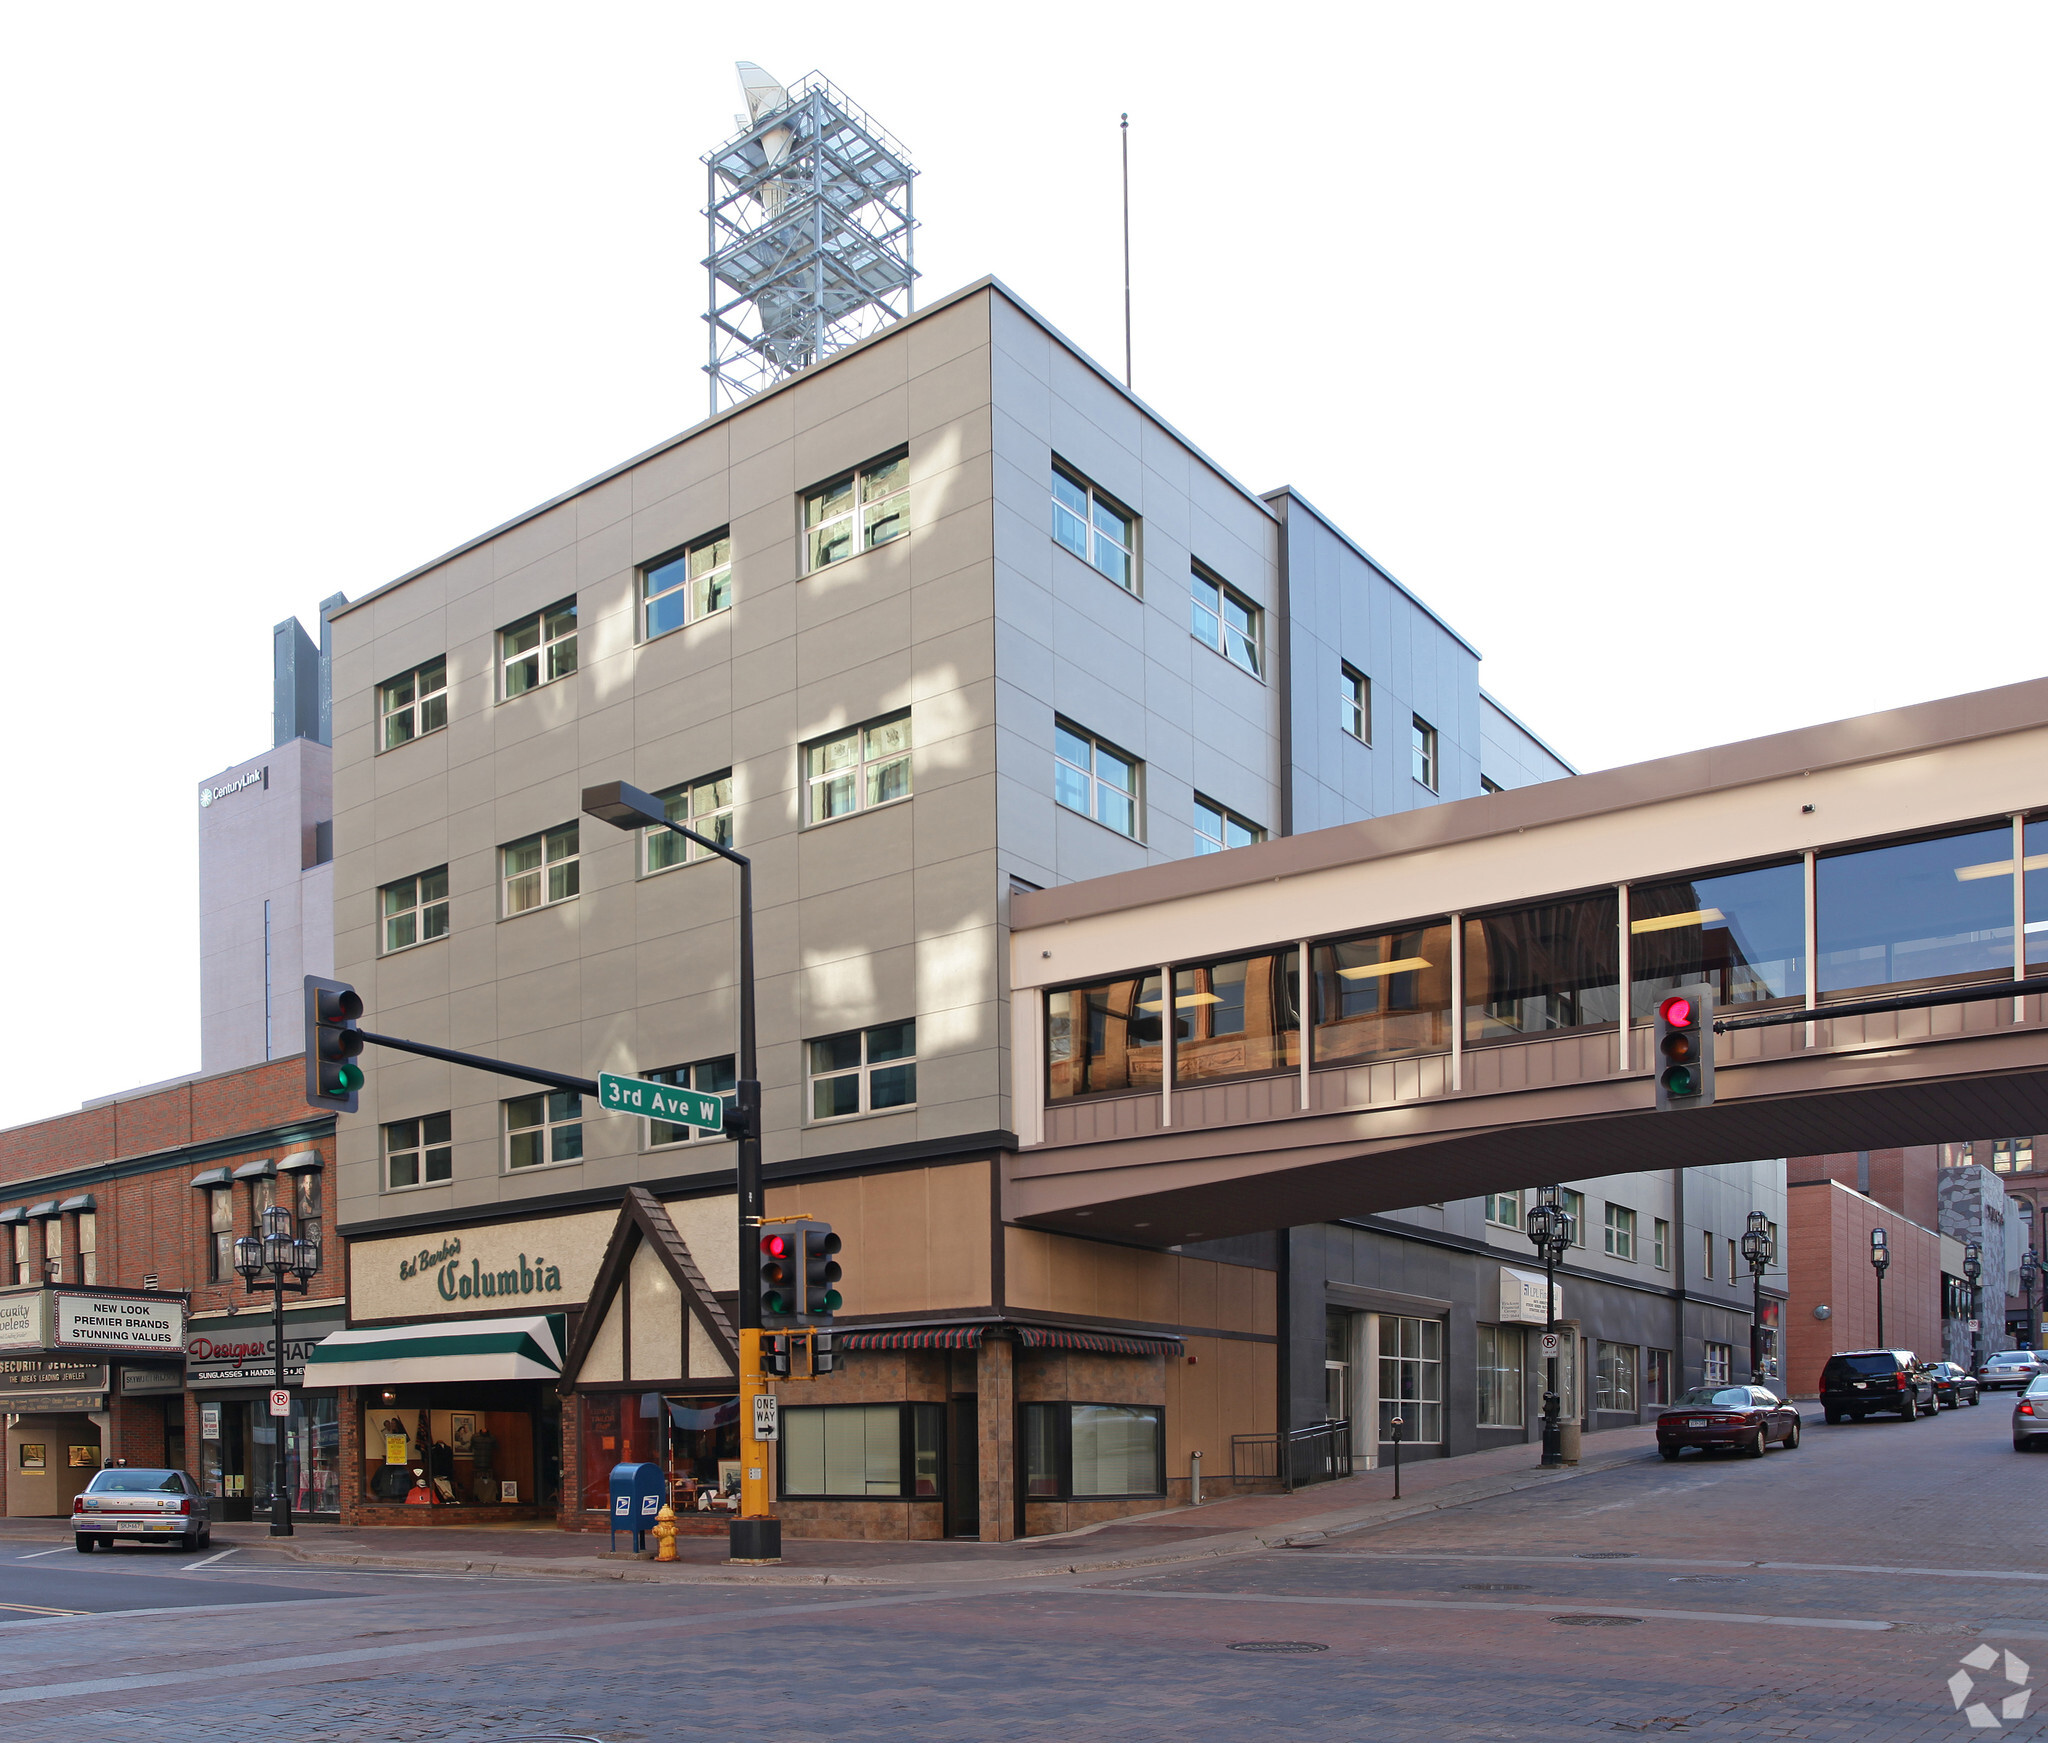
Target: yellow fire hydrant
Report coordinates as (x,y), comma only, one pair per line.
(665,1533)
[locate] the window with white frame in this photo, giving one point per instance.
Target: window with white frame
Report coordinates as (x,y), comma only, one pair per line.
(1574,1205)
(1660,1243)
(685,587)
(1719,1364)
(414,703)
(1095,779)
(543,1128)
(864,1071)
(1222,618)
(1620,1232)
(1504,1209)
(867,507)
(1501,1392)
(418,1152)
(1217,827)
(1354,702)
(1614,1376)
(708,1077)
(1707,1255)
(1094,528)
(415,909)
(860,769)
(703,805)
(538,649)
(1423,743)
(541,870)
(1412,1379)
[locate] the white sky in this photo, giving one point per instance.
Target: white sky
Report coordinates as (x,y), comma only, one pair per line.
(1688,360)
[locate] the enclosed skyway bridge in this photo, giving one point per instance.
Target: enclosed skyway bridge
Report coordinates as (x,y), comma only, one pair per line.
(1476,983)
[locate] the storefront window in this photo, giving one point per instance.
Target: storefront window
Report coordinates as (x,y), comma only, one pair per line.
(239,1463)
(1412,1379)
(475,1445)
(1085,1451)
(617,1430)
(863,1450)
(1614,1377)
(1501,1349)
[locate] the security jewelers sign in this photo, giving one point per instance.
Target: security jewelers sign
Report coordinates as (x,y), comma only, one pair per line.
(118,1322)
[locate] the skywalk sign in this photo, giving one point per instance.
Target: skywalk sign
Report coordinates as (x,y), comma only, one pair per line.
(659,1101)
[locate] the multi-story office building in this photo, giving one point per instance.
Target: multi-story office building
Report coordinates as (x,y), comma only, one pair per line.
(945,616)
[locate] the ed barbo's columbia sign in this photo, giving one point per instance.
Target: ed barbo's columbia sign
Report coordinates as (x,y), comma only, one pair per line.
(529,1277)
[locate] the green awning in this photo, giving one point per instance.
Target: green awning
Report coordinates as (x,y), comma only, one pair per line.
(526,1348)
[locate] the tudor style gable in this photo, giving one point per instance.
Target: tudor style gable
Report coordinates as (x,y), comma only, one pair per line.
(651,1318)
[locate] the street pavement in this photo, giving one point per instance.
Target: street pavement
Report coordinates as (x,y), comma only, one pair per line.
(1829,1593)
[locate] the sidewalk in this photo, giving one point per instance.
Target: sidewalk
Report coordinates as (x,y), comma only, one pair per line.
(1218,1527)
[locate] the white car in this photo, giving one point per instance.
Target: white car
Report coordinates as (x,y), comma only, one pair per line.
(2030,1417)
(2015,1368)
(141,1505)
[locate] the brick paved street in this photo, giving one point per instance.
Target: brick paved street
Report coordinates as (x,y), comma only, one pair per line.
(1824,1593)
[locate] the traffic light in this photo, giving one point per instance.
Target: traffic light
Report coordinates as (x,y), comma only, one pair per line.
(778,1276)
(775,1357)
(332,1043)
(1685,1048)
(821,1273)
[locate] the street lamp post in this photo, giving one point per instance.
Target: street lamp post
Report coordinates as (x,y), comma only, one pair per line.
(1973,1274)
(2030,1272)
(755,1534)
(1880,1262)
(1549,1228)
(281,1251)
(1759,1248)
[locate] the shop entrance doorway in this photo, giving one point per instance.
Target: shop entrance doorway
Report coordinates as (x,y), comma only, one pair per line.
(963,1476)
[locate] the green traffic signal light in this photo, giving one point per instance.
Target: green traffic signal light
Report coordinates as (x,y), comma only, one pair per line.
(1679,1080)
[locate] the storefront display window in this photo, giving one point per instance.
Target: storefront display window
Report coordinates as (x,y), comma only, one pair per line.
(239,1465)
(868,1451)
(1091,1451)
(480,1445)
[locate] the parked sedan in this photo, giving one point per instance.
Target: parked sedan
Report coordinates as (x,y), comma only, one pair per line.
(143,1506)
(1742,1419)
(2015,1368)
(1954,1386)
(2030,1417)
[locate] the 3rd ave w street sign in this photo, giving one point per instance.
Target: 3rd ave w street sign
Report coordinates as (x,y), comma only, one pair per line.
(659,1101)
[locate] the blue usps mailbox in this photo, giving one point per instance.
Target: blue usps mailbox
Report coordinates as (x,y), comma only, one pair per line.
(637,1497)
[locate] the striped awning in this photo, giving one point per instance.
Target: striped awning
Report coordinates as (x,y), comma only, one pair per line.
(450,1349)
(946,1337)
(1038,1337)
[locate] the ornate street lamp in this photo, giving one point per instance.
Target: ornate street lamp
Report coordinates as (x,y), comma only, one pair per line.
(1759,1248)
(1973,1274)
(1549,1228)
(1880,1262)
(281,1251)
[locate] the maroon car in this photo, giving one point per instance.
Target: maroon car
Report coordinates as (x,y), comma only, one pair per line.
(1727,1419)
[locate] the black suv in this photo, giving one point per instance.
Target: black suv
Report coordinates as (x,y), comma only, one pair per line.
(1856,1382)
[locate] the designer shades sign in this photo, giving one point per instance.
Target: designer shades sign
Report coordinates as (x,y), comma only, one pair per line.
(121,1322)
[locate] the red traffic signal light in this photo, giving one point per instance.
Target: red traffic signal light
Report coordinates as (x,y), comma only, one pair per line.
(778,1278)
(1685,1048)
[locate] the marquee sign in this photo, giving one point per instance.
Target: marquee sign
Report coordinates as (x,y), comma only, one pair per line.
(119,1322)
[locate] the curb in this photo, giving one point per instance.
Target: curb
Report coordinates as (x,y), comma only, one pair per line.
(1302,1533)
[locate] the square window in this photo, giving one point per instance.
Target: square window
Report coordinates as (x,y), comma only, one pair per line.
(860,769)
(708,1077)
(1504,1209)
(1619,1233)
(414,704)
(1354,698)
(538,649)
(868,507)
(863,1071)
(703,805)
(541,870)
(415,909)
(687,587)
(1222,618)
(1424,745)
(1217,828)
(417,1152)
(545,1128)
(1094,528)
(1091,777)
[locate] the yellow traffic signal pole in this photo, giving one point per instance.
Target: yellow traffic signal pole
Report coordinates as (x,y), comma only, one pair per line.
(754,1498)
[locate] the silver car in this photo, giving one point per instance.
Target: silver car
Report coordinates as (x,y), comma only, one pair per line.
(2030,1417)
(141,1505)
(2014,1368)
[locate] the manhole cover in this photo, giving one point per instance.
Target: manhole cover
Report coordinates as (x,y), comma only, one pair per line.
(1278,1646)
(1606,1555)
(1597,1621)
(1496,1586)
(1708,1580)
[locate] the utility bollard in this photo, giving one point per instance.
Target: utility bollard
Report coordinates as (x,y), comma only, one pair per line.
(1195,1479)
(1397,1457)
(665,1533)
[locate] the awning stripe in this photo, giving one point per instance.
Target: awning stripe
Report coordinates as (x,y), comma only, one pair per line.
(943,1338)
(1034,1337)
(1031,1337)
(490,1349)
(513,1343)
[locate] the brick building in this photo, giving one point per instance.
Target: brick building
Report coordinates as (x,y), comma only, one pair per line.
(140,1196)
(1834,1301)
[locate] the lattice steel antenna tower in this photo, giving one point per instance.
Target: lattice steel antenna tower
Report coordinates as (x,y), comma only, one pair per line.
(810,233)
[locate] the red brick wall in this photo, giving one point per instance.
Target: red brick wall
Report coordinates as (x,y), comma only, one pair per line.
(1904,1179)
(1828,1257)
